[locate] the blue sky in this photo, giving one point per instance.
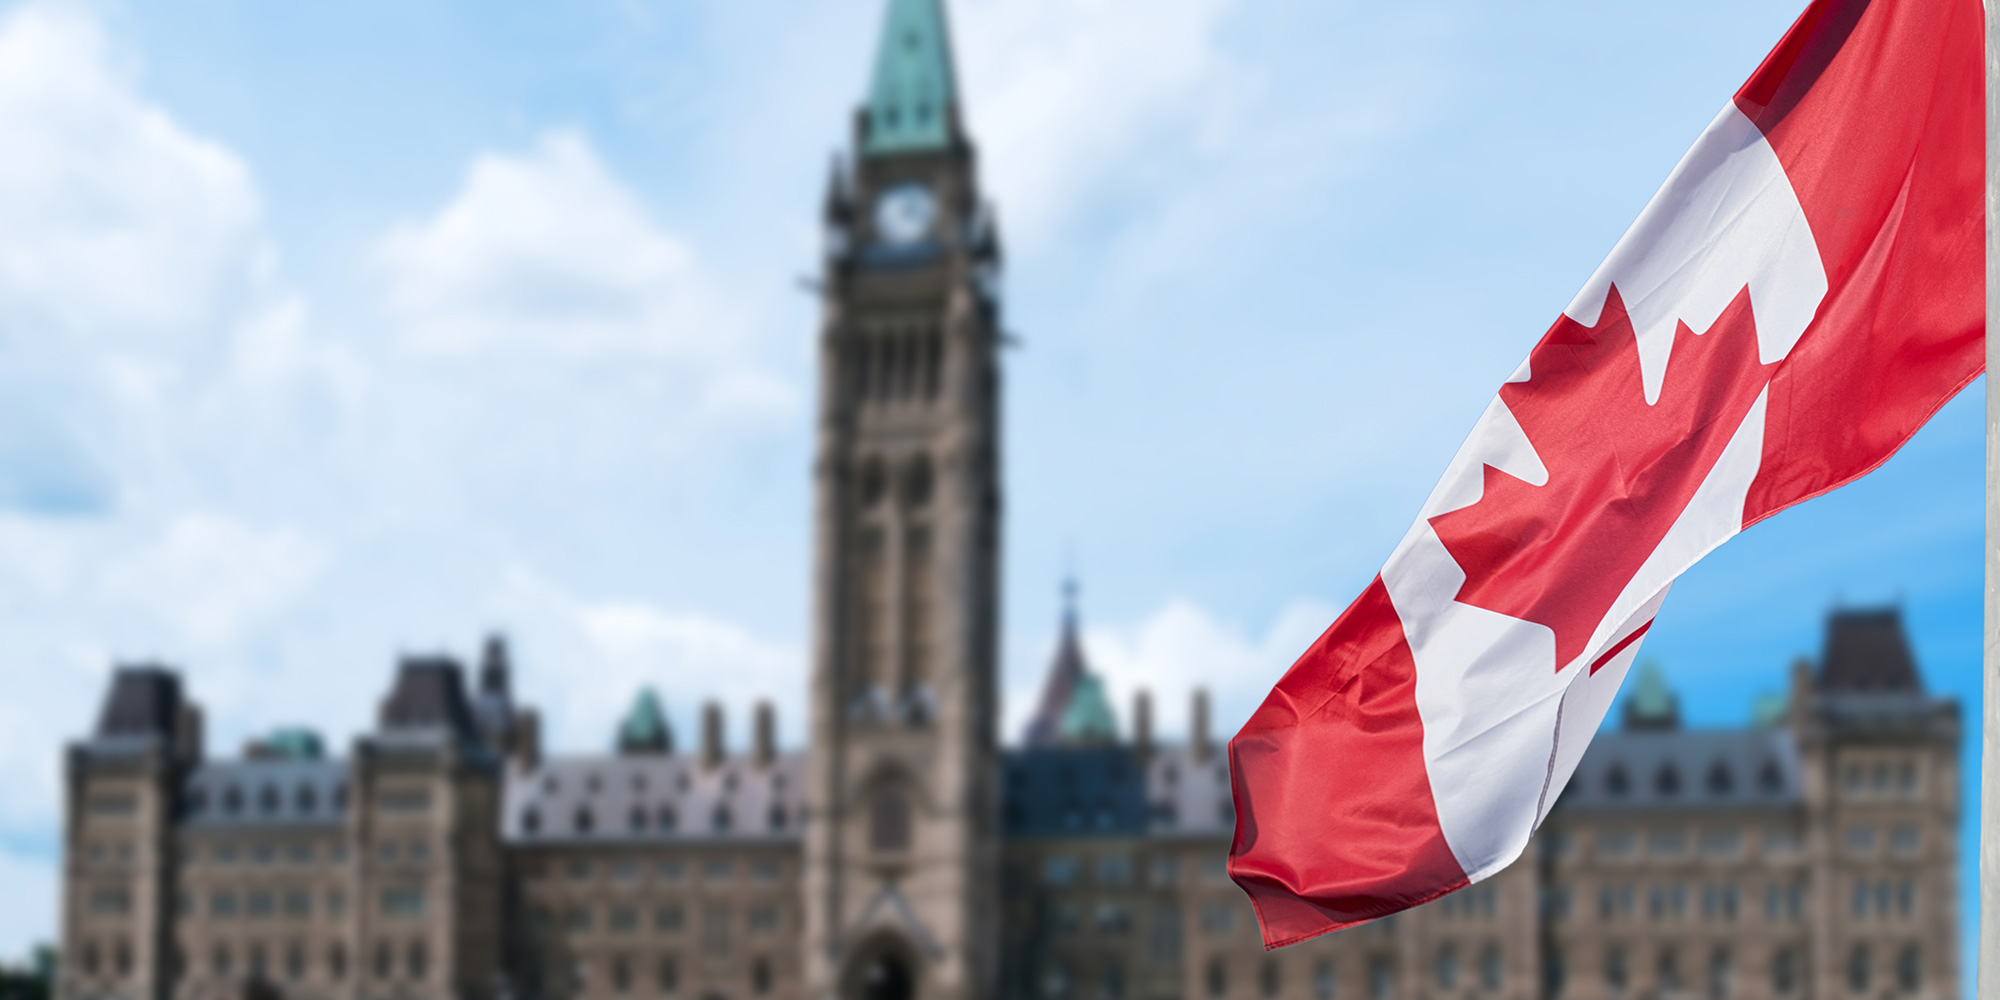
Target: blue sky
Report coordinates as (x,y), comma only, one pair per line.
(331,331)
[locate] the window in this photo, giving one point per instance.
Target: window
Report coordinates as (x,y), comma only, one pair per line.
(298,904)
(1859,969)
(110,902)
(715,930)
(336,903)
(584,820)
(1616,782)
(1617,973)
(225,854)
(1667,843)
(1268,978)
(1718,902)
(1325,984)
(718,871)
(1860,899)
(1381,977)
(889,822)
(1445,967)
(671,870)
(1163,870)
(1555,971)
(764,870)
(624,920)
(1669,973)
(336,963)
(1114,869)
(1218,918)
(1111,981)
(1909,969)
(222,904)
(1114,918)
(1860,841)
(625,870)
(1905,840)
(1851,778)
(1784,970)
(1906,899)
(764,918)
(1781,842)
(1720,780)
(668,974)
(1906,777)
(621,974)
(1218,977)
(1770,778)
(1058,870)
(218,960)
(1163,934)
(722,819)
(1556,901)
(1667,781)
(1721,971)
(669,819)
(635,821)
(1721,843)
(417,960)
(1055,982)
(670,919)
(760,976)
(1065,918)
(576,919)
(385,960)
(1492,967)
(403,901)
(1616,844)
(301,854)
(579,870)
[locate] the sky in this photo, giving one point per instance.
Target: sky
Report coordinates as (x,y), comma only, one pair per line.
(332,332)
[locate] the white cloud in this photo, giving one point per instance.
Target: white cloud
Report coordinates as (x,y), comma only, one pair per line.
(546,249)
(623,645)
(1176,649)
(211,576)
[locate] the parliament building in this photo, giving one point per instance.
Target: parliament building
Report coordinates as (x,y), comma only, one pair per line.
(907,854)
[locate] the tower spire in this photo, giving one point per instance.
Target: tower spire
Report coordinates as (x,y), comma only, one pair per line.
(913,96)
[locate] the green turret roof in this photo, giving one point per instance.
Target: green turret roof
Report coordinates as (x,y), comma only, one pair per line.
(1087,718)
(1652,705)
(290,743)
(912,89)
(645,727)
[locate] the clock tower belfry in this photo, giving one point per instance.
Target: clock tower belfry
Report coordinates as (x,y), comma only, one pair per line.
(901,863)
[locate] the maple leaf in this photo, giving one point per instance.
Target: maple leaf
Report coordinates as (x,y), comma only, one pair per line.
(1620,470)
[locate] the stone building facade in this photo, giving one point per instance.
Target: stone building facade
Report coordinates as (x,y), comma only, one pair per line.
(905,853)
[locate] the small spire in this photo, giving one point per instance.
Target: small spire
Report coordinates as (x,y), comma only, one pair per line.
(1069,591)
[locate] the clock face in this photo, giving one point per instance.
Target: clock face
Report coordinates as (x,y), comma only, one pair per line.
(903,214)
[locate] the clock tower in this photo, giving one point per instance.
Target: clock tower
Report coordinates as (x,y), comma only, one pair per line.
(901,867)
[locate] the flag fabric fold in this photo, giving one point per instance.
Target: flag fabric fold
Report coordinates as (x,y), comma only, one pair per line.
(1803,293)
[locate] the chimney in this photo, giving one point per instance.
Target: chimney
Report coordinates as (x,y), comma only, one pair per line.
(711,734)
(527,739)
(1142,721)
(187,733)
(767,733)
(1198,740)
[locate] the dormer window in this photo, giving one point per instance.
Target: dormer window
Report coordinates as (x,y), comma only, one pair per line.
(308,800)
(1667,781)
(268,798)
(531,820)
(721,821)
(232,800)
(668,819)
(1770,778)
(583,820)
(777,819)
(1720,781)
(1616,782)
(637,820)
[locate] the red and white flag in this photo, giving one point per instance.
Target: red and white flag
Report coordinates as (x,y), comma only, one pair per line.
(1801,295)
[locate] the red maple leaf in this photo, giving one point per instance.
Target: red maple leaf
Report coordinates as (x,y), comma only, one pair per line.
(1620,471)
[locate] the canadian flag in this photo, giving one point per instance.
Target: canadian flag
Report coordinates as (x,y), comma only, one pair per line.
(1800,296)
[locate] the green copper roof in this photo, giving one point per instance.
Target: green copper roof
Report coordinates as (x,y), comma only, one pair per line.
(645,726)
(1087,718)
(913,81)
(1652,704)
(293,743)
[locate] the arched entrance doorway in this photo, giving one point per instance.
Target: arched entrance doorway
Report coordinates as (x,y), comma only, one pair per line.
(882,970)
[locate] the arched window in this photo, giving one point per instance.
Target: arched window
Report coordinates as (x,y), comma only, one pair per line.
(1909,969)
(1668,781)
(1860,968)
(1720,781)
(1784,970)
(889,822)
(1446,967)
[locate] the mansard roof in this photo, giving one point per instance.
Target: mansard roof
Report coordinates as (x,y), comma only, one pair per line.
(1114,791)
(655,797)
(1868,651)
(1668,769)
(267,792)
(428,697)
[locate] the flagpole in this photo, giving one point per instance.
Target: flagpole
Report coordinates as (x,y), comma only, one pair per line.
(1989,751)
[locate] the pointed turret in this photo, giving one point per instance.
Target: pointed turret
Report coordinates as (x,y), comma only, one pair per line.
(1652,705)
(1074,708)
(912,99)
(645,727)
